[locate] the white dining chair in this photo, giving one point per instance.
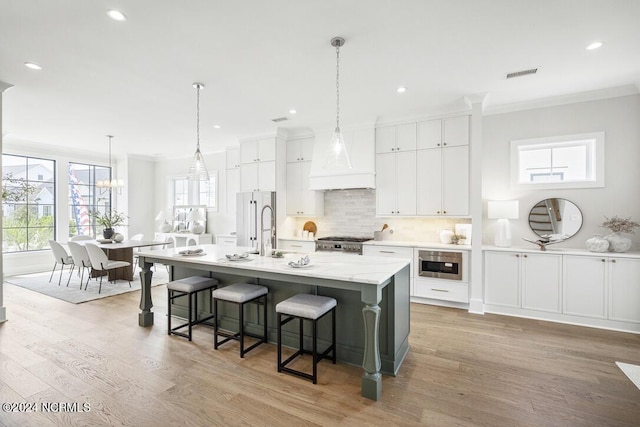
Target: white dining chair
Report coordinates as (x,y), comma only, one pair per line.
(138,237)
(100,262)
(81,259)
(78,238)
(61,256)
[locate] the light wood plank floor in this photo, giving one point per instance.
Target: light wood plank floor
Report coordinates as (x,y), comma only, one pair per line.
(462,370)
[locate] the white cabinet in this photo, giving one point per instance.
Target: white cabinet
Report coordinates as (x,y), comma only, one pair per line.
(258,176)
(443,181)
(390,139)
(261,150)
(226,240)
(303,246)
(393,252)
(624,289)
(584,286)
(396,183)
(233,187)
(233,158)
(523,280)
(300,150)
(300,200)
(439,133)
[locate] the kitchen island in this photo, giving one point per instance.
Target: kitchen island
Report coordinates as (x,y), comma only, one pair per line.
(372,295)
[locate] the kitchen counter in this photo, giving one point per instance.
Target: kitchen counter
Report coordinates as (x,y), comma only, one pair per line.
(373,289)
(428,245)
(561,251)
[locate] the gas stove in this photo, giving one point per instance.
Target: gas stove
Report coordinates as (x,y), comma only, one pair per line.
(341,243)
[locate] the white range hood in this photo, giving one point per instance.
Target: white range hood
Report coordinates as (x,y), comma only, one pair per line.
(360,145)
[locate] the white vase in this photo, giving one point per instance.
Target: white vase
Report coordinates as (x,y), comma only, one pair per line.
(597,243)
(618,242)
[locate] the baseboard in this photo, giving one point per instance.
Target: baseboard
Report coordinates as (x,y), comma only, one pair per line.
(476,306)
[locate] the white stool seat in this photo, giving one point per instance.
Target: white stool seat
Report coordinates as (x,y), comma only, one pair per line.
(306,305)
(192,284)
(239,292)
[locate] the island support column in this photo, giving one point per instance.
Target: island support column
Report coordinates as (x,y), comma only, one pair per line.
(372,378)
(145,318)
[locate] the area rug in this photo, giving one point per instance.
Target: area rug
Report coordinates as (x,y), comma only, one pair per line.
(631,371)
(39,282)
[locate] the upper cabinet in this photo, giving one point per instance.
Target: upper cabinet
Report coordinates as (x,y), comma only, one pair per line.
(261,150)
(301,201)
(449,132)
(233,158)
(391,139)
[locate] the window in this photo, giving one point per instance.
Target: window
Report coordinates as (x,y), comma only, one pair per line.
(85,197)
(188,192)
(571,161)
(28,203)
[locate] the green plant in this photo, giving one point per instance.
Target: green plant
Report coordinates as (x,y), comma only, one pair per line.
(109,219)
(620,225)
(16,190)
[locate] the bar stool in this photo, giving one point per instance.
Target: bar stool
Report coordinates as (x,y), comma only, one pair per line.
(306,307)
(241,294)
(189,286)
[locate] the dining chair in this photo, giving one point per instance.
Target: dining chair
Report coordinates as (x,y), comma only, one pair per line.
(61,256)
(138,237)
(100,262)
(81,259)
(77,238)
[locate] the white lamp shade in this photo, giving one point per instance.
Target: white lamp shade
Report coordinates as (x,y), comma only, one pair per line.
(503,209)
(195,215)
(161,216)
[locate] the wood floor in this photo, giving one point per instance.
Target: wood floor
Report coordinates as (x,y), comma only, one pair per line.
(462,370)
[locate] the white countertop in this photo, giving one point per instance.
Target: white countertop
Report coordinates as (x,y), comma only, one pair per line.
(428,245)
(323,265)
(561,251)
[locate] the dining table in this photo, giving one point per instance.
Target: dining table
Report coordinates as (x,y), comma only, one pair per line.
(120,251)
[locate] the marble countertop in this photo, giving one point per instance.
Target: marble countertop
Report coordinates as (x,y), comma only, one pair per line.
(323,265)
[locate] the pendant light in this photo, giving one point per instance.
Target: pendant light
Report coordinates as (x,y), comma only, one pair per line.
(337,157)
(198,170)
(114,182)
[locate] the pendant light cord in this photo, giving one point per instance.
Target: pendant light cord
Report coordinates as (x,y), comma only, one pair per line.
(198,117)
(338,87)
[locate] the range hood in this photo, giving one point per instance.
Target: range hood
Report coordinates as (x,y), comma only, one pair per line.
(360,145)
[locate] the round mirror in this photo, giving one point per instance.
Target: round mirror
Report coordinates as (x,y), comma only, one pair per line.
(555,219)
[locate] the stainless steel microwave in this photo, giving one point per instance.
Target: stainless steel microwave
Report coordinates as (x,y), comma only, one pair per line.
(439,264)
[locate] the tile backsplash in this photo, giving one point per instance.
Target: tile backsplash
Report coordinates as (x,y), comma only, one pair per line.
(353,213)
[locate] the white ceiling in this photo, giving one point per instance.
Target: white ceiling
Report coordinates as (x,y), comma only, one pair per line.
(259,58)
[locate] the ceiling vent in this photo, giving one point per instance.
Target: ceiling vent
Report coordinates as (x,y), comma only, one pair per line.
(279,119)
(522,73)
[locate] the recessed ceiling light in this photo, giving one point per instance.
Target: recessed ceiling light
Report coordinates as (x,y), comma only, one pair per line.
(594,45)
(292,111)
(216,126)
(116,15)
(401,89)
(32,66)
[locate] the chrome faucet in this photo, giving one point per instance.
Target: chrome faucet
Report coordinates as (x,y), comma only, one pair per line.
(271,230)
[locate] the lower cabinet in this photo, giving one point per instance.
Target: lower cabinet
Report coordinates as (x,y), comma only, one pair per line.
(393,252)
(600,290)
(523,280)
(297,245)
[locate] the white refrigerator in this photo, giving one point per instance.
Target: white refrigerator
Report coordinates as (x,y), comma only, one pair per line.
(251,206)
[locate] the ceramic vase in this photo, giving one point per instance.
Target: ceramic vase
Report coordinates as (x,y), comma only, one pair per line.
(618,242)
(446,236)
(118,237)
(107,233)
(597,243)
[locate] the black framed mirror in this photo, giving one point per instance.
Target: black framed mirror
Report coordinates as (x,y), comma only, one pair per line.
(555,219)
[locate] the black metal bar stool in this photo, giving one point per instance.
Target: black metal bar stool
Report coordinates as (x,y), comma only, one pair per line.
(306,307)
(190,287)
(241,294)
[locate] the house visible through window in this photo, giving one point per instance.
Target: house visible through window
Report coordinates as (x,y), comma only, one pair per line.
(85,197)
(572,161)
(28,203)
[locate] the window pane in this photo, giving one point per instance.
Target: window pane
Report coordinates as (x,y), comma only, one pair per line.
(573,160)
(28,202)
(85,197)
(534,163)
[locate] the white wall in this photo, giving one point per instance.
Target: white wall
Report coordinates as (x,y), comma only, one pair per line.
(140,198)
(618,117)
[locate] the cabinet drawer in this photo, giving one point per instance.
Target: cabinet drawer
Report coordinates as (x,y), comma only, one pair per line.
(391,252)
(441,290)
(297,245)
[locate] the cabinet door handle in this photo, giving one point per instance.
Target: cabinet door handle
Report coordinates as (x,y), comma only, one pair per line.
(525,256)
(438,144)
(387,252)
(439,290)
(603,260)
(517,255)
(444,212)
(296,246)
(393,149)
(444,143)
(438,212)
(398,149)
(613,260)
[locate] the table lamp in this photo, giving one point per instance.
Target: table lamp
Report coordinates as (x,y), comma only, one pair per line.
(194,217)
(165,227)
(503,211)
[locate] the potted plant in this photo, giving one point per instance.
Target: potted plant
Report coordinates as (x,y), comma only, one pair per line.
(108,220)
(617,226)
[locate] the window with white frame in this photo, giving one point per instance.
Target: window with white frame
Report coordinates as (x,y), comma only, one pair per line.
(190,192)
(570,161)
